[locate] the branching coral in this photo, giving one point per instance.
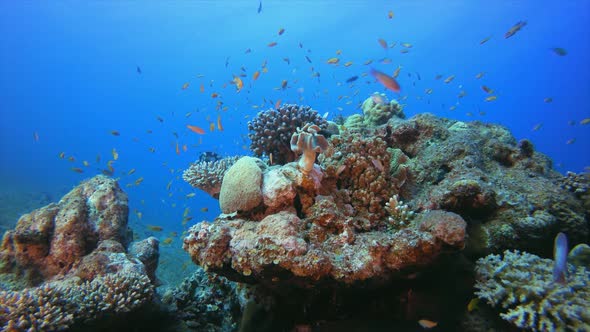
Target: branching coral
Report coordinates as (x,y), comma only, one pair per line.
(208,175)
(60,304)
(307,141)
(364,179)
(271,130)
(400,213)
(523,284)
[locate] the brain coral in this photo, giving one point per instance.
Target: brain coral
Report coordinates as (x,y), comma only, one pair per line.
(271,130)
(523,285)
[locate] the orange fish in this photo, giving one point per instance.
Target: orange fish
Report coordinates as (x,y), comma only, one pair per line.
(273,44)
(214,95)
(177,149)
(387,81)
(390,15)
(219,126)
(348,64)
(211,126)
(278,104)
(281,31)
(239,84)
(184,147)
(185,86)
(382,42)
(196,129)
(255,75)
(284,84)
(333,61)
(202,88)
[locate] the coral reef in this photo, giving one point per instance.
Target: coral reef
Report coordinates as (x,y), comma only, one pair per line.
(271,130)
(283,248)
(508,194)
(70,261)
(57,305)
(378,109)
(205,302)
(522,284)
(366,174)
(207,175)
(51,240)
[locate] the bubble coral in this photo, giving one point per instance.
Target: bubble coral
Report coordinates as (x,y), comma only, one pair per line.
(308,142)
(271,130)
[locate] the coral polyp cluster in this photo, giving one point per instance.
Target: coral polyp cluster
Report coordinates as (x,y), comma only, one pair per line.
(207,175)
(270,131)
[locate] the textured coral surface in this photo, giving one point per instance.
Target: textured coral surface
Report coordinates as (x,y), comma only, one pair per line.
(522,285)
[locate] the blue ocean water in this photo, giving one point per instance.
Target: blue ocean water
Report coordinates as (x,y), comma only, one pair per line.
(69,77)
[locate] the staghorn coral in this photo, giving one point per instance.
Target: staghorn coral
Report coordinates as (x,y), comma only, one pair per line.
(522,284)
(271,130)
(307,141)
(58,305)
(208,175)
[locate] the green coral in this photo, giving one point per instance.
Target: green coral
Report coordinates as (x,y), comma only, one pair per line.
(522,284)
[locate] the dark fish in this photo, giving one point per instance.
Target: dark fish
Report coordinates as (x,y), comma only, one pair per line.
(308,59)
(259,7)
(418,75)
(209,156)
(560,257)
(352,79)
(515,28)
(138,70)
(226,62)
(559,51)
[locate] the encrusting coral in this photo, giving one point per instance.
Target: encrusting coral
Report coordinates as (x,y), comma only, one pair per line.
(270,131)
(522,284)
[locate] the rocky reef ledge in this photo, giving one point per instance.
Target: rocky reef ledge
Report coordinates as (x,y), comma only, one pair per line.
(66,264)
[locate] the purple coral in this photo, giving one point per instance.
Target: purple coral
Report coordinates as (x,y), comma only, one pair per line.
(271,130)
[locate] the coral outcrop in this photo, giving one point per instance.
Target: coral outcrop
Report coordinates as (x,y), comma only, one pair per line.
(241,186)
(522,285)
(70,257)
(510,195)
(271,130)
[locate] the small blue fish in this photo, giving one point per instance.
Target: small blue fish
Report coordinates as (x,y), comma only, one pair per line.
(560,257)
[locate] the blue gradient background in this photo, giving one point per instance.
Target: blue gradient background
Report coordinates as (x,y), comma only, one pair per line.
(68,72)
